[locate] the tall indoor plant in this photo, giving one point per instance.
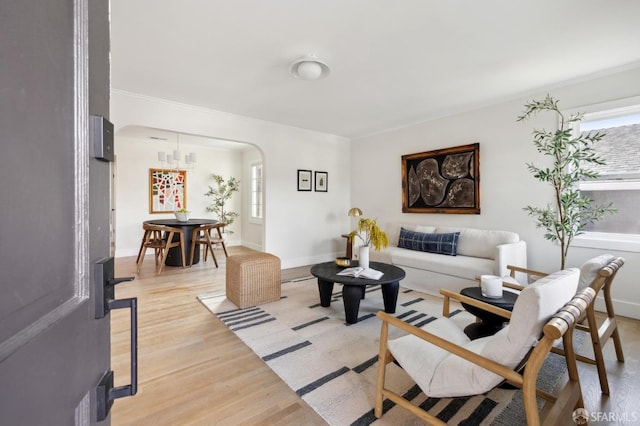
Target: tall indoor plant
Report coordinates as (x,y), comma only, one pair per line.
(222,191)
(371,235)
(571,153)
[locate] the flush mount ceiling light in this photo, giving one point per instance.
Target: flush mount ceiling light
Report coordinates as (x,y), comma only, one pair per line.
(309,67)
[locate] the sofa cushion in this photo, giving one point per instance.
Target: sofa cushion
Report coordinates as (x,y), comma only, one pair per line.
(480,242)
(393,231)
(456,266)
(431,243)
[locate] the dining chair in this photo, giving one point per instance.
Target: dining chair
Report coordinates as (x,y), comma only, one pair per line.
(444,362)
(219,240)
(597,273)
(151,238)
(163,244)
(202,235)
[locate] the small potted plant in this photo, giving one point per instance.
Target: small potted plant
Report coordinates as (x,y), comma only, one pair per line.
(183,215)
(371,235)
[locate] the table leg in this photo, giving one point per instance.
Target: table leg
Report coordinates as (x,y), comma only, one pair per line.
(390,296)
(325,288)
(351,295)
(174,258)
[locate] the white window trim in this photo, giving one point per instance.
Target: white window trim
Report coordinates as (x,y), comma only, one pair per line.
(610,109)
(609,185)
(252,219)
(608,240)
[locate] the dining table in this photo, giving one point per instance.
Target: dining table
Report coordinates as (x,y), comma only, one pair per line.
(174,257)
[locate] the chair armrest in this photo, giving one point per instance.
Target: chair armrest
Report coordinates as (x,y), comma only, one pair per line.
(512,285)
(448,346)
(529,272)
(448,294)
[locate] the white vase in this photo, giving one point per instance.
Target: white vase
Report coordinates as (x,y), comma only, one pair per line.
(363,262)
(182,217)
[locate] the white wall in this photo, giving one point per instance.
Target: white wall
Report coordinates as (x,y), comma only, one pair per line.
(300,227)
(505,184)
(134,158)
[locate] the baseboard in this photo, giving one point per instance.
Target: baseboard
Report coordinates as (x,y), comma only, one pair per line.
(622,307)
(310,260)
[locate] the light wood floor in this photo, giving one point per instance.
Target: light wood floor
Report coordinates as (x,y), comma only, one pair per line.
(193,370)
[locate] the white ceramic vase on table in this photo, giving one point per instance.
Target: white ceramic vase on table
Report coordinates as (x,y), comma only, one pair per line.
(363,260)
(183,216)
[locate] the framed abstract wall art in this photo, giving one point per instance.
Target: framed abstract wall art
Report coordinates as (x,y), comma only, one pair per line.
(442,181)
(167,190)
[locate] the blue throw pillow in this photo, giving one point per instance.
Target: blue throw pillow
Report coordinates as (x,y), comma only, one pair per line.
(431,243)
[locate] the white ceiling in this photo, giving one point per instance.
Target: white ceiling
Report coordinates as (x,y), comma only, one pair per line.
(392,63)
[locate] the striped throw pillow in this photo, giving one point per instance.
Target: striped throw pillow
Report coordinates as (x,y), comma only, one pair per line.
(431,243)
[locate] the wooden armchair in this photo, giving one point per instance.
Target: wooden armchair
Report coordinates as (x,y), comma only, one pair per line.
(444,363)
(597,273)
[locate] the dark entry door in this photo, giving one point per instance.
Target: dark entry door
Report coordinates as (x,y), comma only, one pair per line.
(54,210)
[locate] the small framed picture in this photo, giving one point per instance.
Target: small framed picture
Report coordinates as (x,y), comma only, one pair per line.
(321,181)
(304,180)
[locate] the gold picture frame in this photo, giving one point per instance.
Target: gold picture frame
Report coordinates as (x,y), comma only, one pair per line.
(167,190)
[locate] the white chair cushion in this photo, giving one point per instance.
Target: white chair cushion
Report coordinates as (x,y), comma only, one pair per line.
(422,357)
(456,376)
(589,269)
(440,374)
(535,305)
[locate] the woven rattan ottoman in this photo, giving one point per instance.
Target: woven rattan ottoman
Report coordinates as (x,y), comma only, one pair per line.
(253,279)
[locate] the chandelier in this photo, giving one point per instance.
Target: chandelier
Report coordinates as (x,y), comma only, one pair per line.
(174,158)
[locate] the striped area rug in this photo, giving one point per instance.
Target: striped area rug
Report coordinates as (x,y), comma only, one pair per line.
(332,365)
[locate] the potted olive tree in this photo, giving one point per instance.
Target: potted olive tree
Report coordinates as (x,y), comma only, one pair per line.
(571,153)
(222,191)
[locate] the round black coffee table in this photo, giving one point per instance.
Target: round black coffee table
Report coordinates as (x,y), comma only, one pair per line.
(354,288)
(489,323)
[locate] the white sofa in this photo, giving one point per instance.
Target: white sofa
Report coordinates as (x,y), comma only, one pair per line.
(479,252)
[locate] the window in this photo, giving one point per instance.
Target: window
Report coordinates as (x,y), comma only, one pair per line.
(619,180)
(256,191)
